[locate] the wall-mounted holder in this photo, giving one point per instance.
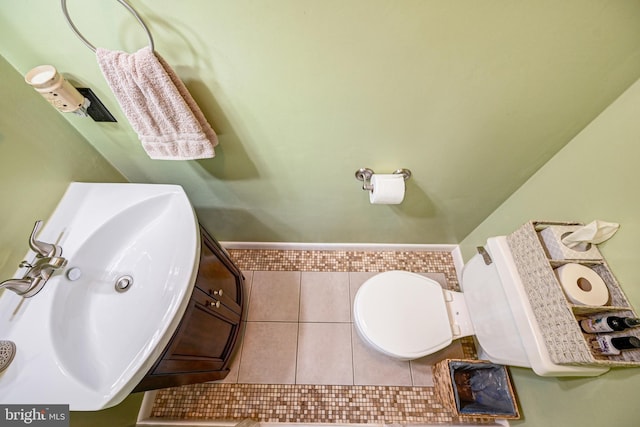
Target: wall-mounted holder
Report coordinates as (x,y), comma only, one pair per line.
(96,110)
(46,80)
(365,174)
(65,12)
(53,87)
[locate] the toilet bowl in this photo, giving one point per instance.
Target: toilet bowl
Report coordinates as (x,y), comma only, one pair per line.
(408,316)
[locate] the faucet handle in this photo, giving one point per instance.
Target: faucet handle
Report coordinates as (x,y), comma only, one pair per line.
(42,248)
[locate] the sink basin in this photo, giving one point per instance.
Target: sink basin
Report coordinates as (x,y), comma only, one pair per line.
(97,327)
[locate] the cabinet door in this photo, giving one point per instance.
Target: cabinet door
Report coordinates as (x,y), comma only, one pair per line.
(206,336)
(201,348)
(205,339)
(218,275)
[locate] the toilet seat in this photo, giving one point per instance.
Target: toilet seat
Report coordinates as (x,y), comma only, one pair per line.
(402,314)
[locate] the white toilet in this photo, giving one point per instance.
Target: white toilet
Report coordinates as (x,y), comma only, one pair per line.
(408,316)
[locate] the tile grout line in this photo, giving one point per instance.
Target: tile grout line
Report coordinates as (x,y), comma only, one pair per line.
(353,366)
(413,384)
(245,326)
(295,373)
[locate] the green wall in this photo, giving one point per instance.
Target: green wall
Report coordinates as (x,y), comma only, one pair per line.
(473,97)
(40,154)
(595,176)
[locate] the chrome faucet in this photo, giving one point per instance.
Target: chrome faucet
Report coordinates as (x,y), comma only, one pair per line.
(19,286)
(41,248)
(47,261)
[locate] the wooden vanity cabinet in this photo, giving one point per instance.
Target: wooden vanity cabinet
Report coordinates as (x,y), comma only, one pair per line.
(201,348)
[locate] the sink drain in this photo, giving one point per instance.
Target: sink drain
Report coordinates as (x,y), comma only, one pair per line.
(74,273)
(124,283)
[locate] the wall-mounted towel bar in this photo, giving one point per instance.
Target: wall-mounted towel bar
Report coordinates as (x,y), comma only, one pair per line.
(63,4)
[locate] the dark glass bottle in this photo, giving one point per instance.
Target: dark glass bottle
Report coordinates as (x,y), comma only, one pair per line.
(608,324)
(626,343)
(612,346)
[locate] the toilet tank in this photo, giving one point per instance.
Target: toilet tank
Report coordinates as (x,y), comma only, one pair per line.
(490,313)
(502,317)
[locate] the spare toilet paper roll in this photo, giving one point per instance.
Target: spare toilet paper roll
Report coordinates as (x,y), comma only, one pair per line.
(388,189)
(582,285)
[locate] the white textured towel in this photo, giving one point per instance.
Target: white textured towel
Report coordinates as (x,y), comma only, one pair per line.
(158,105)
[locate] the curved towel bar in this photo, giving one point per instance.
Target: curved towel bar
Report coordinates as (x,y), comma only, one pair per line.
(63,4)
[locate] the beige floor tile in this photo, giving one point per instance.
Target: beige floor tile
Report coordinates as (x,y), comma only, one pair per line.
(371,367)
(324,354)
(234,366)
(356,279)
(269,353)
(324,297)
(275,296)
(248,280)
(422,369)
(438,277)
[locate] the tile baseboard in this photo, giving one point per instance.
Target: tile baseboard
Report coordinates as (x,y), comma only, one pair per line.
(295,246)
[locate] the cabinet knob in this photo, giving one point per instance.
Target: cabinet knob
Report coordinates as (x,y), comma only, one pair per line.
(214,304)
(218,292)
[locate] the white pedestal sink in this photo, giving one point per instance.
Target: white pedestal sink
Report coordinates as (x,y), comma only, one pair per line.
(80,341)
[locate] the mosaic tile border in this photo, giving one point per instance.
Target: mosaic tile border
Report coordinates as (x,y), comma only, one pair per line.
(296,403)
(373,261)
(305,404)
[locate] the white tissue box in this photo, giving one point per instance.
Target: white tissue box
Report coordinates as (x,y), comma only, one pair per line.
(552,239)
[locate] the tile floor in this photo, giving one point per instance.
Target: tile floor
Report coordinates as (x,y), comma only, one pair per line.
(302,361)
(299,324)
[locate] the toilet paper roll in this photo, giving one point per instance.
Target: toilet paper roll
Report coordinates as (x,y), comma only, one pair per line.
(388,189)
(582,285)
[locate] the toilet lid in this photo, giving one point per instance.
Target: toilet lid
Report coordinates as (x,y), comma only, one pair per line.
(403,314)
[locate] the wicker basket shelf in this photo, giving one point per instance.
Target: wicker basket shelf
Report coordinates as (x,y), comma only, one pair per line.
(557,316)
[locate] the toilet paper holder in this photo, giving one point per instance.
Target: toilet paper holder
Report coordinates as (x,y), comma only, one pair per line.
(365,174)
